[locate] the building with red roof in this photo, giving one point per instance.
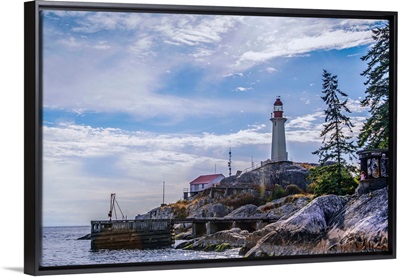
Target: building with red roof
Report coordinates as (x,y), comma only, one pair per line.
(204,182)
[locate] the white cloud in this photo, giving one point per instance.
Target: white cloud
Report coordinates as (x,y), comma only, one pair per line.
(271,70)
(130,73)
(297,55)
(195,30)
(71,42)
(70,140)
(234,75)
(82,160)
(355,106)
(97,21)
(307,121)
(302,43)
(102,45)
(354,55)
(202,53)
(77,44)
(309,136)
(141,46)
(243,88)
(237,41)
(305,100)
(297,37)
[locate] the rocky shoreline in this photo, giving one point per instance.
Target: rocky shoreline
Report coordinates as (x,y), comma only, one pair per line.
(301,224)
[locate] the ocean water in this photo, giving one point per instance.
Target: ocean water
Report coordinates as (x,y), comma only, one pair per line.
(60,247)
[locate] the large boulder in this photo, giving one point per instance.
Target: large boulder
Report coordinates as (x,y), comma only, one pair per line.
(283,208)
(197,204)
(329,224)
(249,210)
(270,174)
(164,212)
(361,226)
(298,233)
(218,241)
(210,210)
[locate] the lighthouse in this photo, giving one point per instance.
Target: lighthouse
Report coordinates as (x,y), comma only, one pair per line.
(278,147)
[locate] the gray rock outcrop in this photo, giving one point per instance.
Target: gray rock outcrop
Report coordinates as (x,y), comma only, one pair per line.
(222,240)
(329,224)
(283,208)
(249,210)
(361,226)
(270,174)
(165,212)
(302,229)
(210,210)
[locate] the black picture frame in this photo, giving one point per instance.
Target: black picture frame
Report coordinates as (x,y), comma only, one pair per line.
(33,164)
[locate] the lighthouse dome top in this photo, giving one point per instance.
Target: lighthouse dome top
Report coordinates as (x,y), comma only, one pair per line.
(278,102)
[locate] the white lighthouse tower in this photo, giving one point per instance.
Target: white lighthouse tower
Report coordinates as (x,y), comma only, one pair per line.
(278,148)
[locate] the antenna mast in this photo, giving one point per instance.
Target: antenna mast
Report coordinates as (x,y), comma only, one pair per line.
(230,162)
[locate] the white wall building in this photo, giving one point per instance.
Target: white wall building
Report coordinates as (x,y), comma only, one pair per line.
(204,182)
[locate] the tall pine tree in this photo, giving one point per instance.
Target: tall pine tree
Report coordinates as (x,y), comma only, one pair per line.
(375,132)
(336,145)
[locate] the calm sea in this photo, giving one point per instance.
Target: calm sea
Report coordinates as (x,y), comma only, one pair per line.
(61,247)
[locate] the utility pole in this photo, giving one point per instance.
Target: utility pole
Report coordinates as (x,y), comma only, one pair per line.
(163,194)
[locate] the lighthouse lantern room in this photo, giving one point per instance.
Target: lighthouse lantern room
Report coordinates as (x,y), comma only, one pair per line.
(278,147)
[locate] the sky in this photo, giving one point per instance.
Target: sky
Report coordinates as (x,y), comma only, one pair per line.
(131,100)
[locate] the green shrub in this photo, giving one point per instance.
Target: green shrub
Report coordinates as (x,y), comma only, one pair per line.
(311,188)
(277,192)
(241,199)
(332,179)
(293,189)
(180,213)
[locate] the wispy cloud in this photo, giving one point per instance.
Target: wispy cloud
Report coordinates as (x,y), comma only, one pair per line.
(354,55)
(355,106)
(271,70)
(242,89)
(302,43)
(196,30)
(234,75)
(269,37)
(306,122)
(88,162)
(67,140)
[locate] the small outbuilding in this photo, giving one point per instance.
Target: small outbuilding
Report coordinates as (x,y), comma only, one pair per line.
(204,182)
(374,167)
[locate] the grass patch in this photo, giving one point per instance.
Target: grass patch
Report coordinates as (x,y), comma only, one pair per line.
(222,247)
(241,199)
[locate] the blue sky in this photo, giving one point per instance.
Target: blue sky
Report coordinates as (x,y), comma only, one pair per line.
(132,100)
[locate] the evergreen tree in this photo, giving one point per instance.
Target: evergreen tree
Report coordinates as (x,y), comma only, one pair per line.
(375,132)
(325,180)
(336,145)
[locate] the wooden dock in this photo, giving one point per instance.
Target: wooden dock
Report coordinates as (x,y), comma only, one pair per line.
(159,233)
(132,234)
